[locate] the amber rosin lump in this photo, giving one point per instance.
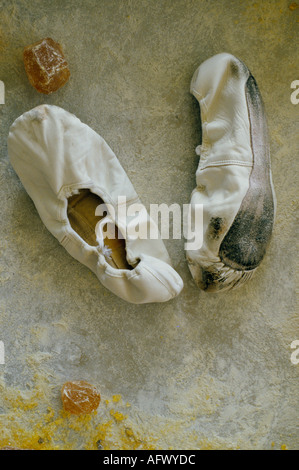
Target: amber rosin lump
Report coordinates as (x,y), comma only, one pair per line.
(80,397)
(46,66)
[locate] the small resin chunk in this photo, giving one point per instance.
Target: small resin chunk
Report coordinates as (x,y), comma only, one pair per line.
(80,397)
(45,65)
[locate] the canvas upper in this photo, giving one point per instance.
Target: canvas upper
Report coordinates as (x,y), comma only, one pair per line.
(55,156)
(233,179)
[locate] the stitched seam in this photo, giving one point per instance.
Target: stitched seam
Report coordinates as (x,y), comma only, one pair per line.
(119,275)
(226,163)
(153,274)
(196,93)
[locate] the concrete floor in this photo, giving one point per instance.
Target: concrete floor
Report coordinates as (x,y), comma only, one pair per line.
(203,371)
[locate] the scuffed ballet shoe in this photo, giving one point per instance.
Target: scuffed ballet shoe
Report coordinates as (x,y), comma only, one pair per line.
(70,173)
(234,182)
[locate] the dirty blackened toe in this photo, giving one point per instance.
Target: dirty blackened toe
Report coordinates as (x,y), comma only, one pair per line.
(246,242)
(217,227)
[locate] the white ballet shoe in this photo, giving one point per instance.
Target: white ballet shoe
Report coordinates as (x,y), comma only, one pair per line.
(234,182)
(70,172)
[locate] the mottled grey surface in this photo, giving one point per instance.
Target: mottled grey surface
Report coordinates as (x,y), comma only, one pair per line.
(203,370)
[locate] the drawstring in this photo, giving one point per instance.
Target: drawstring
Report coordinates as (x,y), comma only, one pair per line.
(101,247)
(68,192)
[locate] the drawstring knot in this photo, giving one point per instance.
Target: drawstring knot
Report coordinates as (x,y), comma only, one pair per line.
(101,247)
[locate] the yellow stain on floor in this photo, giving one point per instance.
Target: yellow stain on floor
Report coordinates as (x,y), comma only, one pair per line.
(35,419)
(27,421)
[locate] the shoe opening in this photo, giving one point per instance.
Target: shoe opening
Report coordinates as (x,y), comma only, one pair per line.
(81,212)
